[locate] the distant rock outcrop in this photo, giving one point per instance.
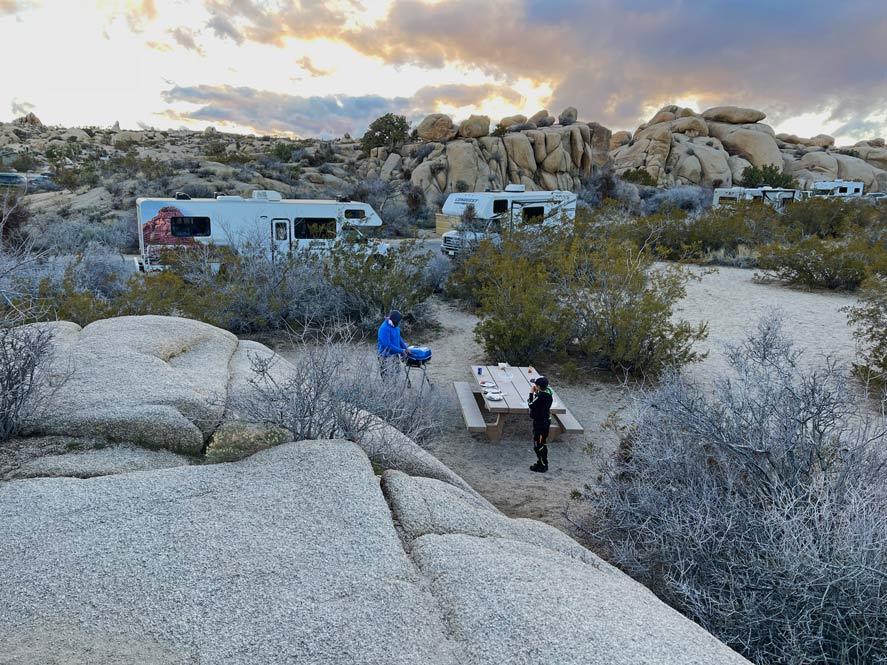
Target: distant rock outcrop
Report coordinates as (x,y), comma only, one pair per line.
(680,147)
(538,155)
(28,120)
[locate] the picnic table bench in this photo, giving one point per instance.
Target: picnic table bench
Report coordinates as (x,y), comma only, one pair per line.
(514,383)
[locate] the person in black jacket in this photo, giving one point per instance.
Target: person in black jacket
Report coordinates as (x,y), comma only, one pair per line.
(539,401)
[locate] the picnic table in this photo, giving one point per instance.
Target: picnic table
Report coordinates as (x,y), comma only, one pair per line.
(514,384)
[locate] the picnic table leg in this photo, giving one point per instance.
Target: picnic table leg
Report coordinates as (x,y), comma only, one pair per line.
(494,430)
(556,429)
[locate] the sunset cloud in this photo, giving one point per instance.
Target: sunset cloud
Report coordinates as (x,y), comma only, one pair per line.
(613,58)
(267,112)
(186,39)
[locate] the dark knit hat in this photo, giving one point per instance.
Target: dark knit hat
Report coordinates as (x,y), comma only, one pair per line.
(395,316)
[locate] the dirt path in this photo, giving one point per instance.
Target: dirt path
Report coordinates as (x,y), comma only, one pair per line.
(730,300)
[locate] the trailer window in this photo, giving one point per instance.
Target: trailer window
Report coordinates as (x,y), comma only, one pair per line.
(534,213)
(314,228)
(500,206)
(190,227)
(281,229)
(355,214)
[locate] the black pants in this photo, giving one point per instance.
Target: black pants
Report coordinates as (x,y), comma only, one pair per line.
(540,442)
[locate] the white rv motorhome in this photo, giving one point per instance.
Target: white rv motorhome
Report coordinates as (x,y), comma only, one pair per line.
(491,212)
(280,225)
(774,196)
(838,188)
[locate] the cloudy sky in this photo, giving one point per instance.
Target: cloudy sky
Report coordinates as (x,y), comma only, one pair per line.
(320,68)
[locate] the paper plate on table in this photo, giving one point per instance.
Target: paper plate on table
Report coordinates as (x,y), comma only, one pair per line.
(492,391)
(494,397)
(488,384)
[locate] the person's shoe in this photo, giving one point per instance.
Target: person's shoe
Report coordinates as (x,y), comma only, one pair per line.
(538,468)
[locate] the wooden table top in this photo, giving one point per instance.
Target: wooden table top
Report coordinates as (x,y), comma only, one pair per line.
(514,382)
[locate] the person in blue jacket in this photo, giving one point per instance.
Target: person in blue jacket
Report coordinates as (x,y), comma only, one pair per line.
(390,346)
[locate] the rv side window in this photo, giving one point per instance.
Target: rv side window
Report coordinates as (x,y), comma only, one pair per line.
(314,228)
(500,206)
(190,227)
(281,230)
(534,213)
(355,214)
(843,190)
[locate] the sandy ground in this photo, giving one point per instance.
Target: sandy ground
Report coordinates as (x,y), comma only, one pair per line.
(729,299)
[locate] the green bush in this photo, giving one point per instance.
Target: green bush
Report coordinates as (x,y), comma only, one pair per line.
(388,131)
(25,162)
(869,320)
(370,285)
(825,264)
(769,175)
(638,177)
(522,320)
(579,293)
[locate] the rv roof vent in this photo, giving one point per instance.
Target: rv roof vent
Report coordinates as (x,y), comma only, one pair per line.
(182,196)
(224,197)
(515,188)
(266,195)
(343,199)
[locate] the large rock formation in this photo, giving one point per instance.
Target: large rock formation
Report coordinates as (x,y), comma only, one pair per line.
(535,153)
(680,147)
(297,554)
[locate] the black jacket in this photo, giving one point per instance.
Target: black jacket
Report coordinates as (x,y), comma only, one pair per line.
(540,406)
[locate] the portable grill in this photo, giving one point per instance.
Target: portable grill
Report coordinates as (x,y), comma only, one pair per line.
(418,357)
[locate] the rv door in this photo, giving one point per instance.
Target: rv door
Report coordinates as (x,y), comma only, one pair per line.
(281,238)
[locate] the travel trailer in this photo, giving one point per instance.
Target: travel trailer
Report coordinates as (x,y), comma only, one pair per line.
(777,197)
(279,225)
(487,213)
(837,188)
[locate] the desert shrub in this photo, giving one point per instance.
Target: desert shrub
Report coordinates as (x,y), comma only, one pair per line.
(461,186)
(688,198)
(281,151)
(623,312)
(74,235)
(370,285)
(759,511)
(824,264)
(499,131)
(638,177)
(869,320)
(326,169)
(25,357)
(769,175)
(422,152)
(387,131)
(198,191)
(25,162)
(579,292)
(374,191)
(14,216)
(828,218)
(330,393)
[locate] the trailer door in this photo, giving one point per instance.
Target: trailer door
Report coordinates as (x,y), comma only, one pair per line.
(281,236)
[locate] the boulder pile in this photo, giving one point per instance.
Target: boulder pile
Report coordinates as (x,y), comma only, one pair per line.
(678,146)
(534,152)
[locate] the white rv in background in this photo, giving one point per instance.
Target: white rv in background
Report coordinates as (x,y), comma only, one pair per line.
(279,225)
(491,212)
(777,197)
(837,188)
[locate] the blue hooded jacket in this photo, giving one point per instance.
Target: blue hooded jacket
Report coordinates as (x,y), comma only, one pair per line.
(389,341)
